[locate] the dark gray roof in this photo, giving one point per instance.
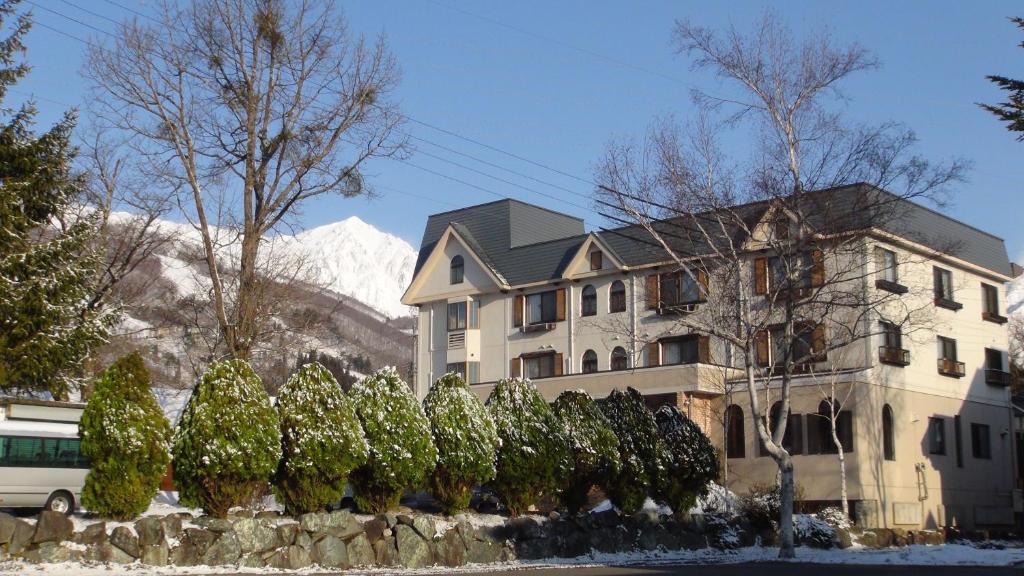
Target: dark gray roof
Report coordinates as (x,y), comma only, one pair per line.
(524,243)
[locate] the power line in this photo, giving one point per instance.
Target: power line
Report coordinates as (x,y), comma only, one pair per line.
(133,11)
(62,33)
(71,18)
(96,14)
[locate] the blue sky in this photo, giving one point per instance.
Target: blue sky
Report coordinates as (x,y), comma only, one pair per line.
(553,82)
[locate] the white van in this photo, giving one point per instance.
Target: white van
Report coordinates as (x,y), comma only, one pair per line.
(41,464)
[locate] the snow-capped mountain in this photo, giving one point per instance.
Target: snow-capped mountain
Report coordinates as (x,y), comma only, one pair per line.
(357,260)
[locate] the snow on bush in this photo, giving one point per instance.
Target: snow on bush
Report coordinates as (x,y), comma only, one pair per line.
(834,516)
(534,454)
(763,503)
(127,439)
(641,451)
(321,441)
(813,531)
(592,443)
(401,451)
(228,441)
(466,442)
(717,500)
(692,460)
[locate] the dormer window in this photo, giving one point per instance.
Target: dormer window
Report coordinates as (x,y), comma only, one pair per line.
(596,260)
(458,269)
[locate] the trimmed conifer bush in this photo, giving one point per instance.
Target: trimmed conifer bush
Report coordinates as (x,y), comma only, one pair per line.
(127,439)
(692,460)
(641,450)
(592,443)
(228,442)
(534,455)
(321,441)
(466,442)
(401,452)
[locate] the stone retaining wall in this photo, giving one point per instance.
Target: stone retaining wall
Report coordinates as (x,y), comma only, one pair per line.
(339,540)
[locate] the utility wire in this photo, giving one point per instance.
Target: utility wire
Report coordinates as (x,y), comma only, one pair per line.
(71,18)
(88,11)
(133,11)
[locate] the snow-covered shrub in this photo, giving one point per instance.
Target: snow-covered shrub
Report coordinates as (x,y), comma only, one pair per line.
(692,460)
(810,530)
(764,501)
(834,516)
(398,434)
(228,441)
(127,439)
(718,500)
(321,441)
(534,454)
(466,442)
(592,444)
(641,451)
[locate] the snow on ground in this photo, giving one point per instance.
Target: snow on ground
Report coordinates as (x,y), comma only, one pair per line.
(946,555)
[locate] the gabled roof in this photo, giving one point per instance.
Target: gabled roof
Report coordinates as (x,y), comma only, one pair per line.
(525,244)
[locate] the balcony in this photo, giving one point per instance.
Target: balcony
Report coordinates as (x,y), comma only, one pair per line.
(993,317)
(539,327)
(890,286)
(677,309)
(948,367)
(997,377)
(893,356)
(947,303)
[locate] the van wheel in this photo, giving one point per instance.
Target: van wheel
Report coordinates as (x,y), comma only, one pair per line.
(60,501)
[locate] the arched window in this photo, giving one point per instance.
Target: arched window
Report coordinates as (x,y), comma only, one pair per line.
(793,438)
(844,428)
(735,440)
(620,361)
(588,301)
(458,269)
(589,362)
(617,297)
(888,434)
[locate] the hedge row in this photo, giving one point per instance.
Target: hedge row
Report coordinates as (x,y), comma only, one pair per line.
(231,441)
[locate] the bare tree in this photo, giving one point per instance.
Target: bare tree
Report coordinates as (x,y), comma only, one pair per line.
(247,109)
(836,390)
(778,238)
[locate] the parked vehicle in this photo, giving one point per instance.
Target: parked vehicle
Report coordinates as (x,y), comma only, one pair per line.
(41,464)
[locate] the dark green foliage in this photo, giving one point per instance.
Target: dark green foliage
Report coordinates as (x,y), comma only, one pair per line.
(401,450)
(534,458)
(466,441)
(228,442)
(340,367)
(692,460)
(127,438)
(1012,111)
(48,323)
(321,441)
(641,451)
(593,444)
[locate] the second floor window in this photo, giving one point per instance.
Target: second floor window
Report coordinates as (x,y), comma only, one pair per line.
(619,359)
(680,351)
(456,316)
(947,348)
(993,359)
(589,362)
(936,436)
(541,308)
(892,336)
(943,286)
(617,297)
(588,301)
(542,366)
(990,304)
(679,288)
(802,349)
(885,263)
(981,442)
(458,269)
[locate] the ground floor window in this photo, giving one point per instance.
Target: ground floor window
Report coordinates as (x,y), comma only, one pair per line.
(936,436)
(735,438)
(542,366)
(981,442)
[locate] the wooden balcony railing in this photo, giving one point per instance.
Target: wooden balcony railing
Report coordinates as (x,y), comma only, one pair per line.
(948,367)
(891,286)
(997,377)
(893,356)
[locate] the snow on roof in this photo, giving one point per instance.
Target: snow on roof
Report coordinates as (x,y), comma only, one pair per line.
(44,429)
(172,401)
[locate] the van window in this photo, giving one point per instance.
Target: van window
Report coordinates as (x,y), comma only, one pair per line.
(27,451)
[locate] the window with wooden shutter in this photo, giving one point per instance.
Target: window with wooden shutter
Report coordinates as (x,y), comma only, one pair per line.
(515,368)
(654,354)
(517,312)
(762,348)
(702,280)
(818,344)
(704,350)
(560,305)
(559,364)
(817,268)
(651,292)
(760,275)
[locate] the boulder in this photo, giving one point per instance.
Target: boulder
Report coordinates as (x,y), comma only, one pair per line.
(314,521)
(385,552)
(225,550)
(22,537)
(108,554)
(413,549)
(150,530)
(375,529)
(304,540)
(360,551)
(268,515)
(404,519)
(390,519)
(7,524)
(343,525)
(251,560)
(330,552)
(257,536)
(424,526)
(213,524)
(194,544)
(286,533)
(52,553)
(537,548)
(485,552)
(451,550)
(52,527)
(289,558)
(172,524)
(844,539)
(155,554)
(126,540)
(92,534)
(526,527)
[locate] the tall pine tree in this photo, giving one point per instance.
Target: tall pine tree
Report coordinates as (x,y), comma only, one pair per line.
(1012,111)
(46,267)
